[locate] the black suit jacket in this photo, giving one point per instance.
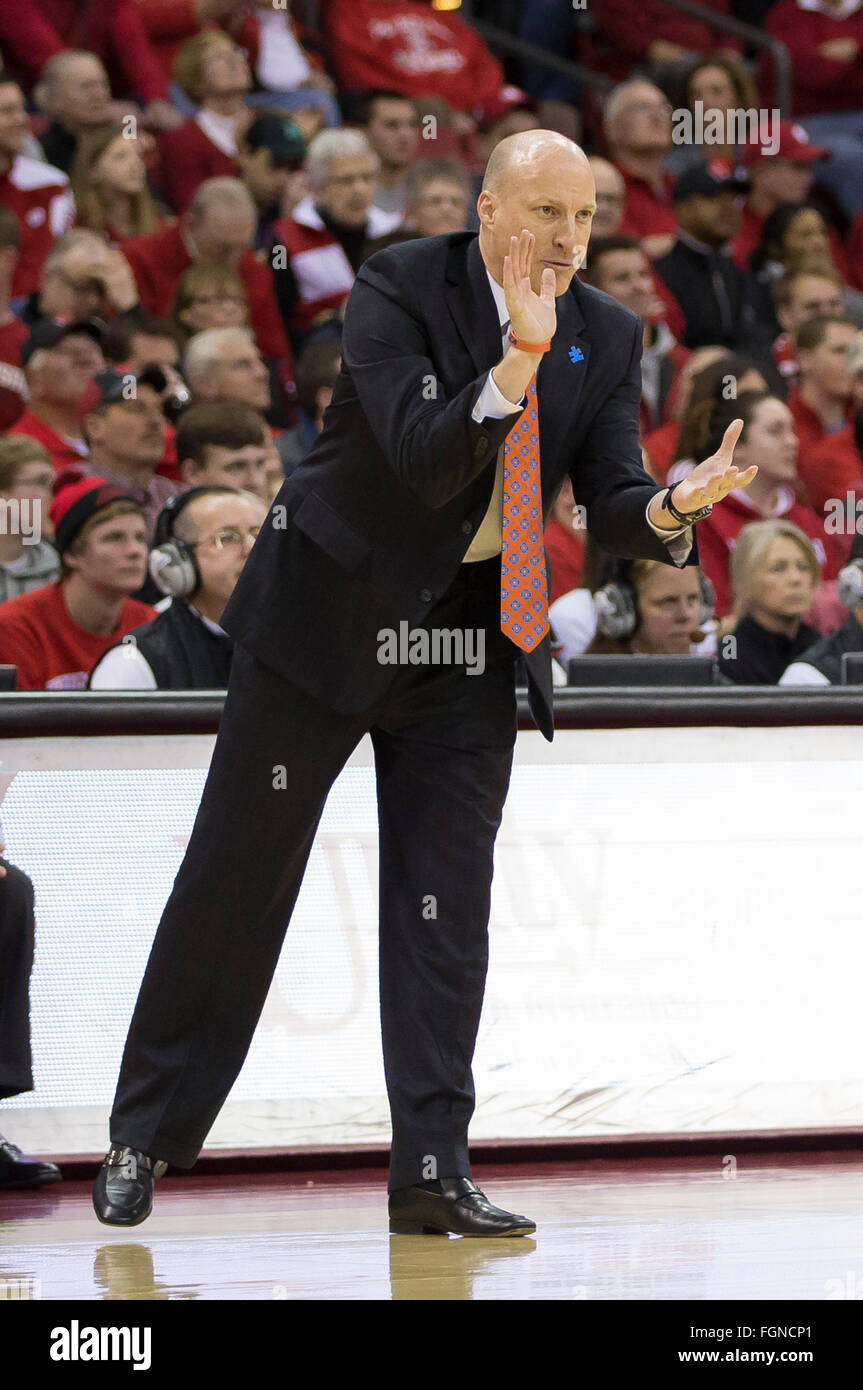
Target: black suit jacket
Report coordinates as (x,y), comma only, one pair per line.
(370,529)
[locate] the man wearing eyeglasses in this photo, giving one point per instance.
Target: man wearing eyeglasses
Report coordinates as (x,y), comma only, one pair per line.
(207,534)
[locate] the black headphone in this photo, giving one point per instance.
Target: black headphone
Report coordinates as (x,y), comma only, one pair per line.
(616,602)
(173,564)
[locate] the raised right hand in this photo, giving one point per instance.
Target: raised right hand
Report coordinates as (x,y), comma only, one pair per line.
(533,317)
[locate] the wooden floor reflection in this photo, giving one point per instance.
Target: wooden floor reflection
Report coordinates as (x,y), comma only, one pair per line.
(670,1229)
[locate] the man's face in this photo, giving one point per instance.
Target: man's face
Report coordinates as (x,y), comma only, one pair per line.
(440,207)
(70,286)
(550,194)
(81,94)
(349,188)
(114,555)
(610,196)
(267,180)
(244,468)
(625,275)
(222,236)
(241,375)
(145,348)
(34,482)
(225,531)
(58,375)
(128,434)
(782,180)
(13,120)
(393,132)
(811,296)
(711,218)
(643,124)
(826,366)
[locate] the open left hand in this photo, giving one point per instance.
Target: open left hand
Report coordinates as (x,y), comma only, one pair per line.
(713,479)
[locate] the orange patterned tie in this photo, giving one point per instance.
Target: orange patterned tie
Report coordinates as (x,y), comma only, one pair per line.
(523,586)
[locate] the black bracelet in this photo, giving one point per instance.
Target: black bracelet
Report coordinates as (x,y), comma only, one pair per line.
(685,518)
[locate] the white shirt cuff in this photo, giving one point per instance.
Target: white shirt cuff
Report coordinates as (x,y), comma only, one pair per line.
(492,405)
(679,542)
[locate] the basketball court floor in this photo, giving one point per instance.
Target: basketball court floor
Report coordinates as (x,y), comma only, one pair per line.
(786,1227)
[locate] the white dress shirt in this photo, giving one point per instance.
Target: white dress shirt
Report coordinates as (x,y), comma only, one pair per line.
(493,405)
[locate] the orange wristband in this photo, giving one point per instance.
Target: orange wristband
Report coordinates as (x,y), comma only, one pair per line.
(528,347)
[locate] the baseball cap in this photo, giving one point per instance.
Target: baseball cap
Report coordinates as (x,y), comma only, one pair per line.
(508,98)
(49,332)
(706,180)
(278,134)
(75,505)
(113,384)
(794,143)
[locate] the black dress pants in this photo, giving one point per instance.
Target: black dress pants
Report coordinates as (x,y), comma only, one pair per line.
(443,741)
(17,933)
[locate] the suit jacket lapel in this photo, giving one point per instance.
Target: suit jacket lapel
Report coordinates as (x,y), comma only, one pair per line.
(471,303)
(560,379)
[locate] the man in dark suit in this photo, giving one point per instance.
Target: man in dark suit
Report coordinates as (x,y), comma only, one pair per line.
(410,509)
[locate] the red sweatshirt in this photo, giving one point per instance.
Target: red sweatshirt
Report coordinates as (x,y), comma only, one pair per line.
(717,536)
(50,650)
(819,83)
(408,47)
(32,31)
(41,199)
(832,468)
(633,25)
(63,454)
(169,23)
(565,551)
(159,259)
(188,156)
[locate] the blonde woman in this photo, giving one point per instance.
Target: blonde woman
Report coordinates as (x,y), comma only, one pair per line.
(109,180)
(774,574)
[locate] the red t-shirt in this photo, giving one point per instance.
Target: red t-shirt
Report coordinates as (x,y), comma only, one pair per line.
(50,650)
(62,453)
(830,469)
(818,83)
(40,197)
(408,47)
(647,211)
(32,31)
(13,387)
(807,426)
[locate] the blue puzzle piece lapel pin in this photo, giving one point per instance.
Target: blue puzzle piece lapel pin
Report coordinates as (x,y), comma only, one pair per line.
(575,354)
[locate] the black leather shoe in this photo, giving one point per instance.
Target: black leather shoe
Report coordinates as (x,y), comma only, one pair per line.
(460,1208)
(123,1190)
(16,1170)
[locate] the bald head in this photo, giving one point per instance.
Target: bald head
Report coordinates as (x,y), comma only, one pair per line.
(511,157)
(539,180)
